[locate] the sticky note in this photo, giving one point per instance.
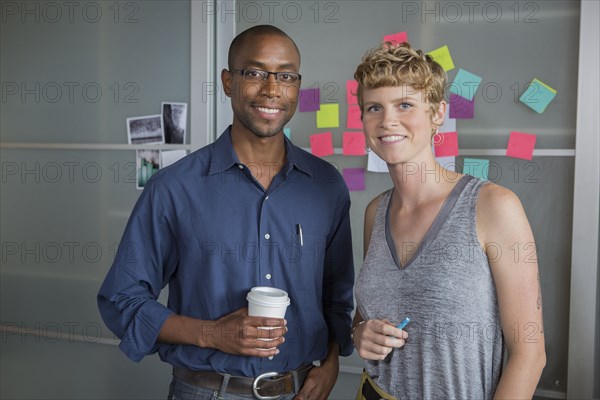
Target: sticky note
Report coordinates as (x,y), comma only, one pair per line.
(321,144)
(375,163)
(476,167)
(446,144)
(328,116)
(353,120)
(465,84)
(442,56)
(287,132)
(396,38)
(355,179)
(351,90)
(521,145)
(538,95)
(309,100)
(461,108)
(353,144)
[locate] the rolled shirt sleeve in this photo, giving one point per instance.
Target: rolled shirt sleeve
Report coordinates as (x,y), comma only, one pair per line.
(128,297)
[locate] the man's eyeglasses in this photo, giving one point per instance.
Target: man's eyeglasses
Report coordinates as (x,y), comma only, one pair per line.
(257,75)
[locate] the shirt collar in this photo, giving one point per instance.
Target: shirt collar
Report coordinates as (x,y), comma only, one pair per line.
(224,157)
(296,157)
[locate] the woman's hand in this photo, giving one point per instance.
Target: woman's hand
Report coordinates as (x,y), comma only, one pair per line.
(375,339)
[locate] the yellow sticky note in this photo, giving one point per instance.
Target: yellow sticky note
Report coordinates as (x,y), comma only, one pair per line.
(328,116)
(442,56)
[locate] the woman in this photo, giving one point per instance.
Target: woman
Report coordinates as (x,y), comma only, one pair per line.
(445,249)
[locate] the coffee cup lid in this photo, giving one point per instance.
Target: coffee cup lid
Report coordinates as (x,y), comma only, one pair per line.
(268,296)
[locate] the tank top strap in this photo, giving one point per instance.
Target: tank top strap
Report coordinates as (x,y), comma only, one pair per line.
(470,194)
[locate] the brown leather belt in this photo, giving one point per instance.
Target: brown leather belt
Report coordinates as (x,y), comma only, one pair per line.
(266,386)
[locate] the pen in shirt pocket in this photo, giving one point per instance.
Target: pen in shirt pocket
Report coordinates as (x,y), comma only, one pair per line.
(299,233)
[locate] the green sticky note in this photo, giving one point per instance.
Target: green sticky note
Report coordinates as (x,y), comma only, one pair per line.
(537,96)
(442,56)
(476,167)
(328,116)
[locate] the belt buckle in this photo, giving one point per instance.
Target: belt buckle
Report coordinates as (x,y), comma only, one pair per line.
(255,386)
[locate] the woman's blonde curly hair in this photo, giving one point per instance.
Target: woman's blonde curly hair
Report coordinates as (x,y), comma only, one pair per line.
(396,65)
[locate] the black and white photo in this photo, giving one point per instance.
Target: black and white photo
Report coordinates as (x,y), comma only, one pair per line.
(175,121)
(145,130)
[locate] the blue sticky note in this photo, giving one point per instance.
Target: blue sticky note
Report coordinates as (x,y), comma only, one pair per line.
(476,167)
(287,132)
(465,84)
(537,96)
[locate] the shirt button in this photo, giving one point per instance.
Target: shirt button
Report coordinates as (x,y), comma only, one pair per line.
(267,198)
(268,276)
(267,236)
(240,166)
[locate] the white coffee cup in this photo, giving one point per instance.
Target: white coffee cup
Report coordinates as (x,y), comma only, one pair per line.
(264,301)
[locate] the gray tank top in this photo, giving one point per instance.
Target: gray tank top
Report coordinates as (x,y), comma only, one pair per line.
(455,344)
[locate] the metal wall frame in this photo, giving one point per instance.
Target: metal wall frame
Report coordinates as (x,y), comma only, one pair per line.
(584,268)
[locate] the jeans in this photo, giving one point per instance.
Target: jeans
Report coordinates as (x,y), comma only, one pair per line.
(180,390)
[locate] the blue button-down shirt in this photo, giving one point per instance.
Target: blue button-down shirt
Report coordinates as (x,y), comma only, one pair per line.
(208,229)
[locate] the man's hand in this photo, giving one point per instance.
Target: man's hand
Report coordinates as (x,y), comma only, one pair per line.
(235,333)
(239,334)
(321,380)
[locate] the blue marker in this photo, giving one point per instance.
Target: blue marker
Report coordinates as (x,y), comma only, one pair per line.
(402,324)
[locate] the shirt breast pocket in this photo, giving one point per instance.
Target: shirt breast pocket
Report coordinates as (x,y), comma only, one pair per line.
(306,262)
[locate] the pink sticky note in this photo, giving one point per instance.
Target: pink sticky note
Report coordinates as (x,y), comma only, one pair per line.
(396,38)
(351,89)
(446,144)
(521,145)
(353,144)
(353,120)
(355,179)
(461,108)
(321,144)
(309,100)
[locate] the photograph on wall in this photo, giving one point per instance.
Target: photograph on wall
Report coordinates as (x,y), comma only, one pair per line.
(145,130)
(147,164)
(174,121)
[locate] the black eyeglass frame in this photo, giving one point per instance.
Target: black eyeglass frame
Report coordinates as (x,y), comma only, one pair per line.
(268,73)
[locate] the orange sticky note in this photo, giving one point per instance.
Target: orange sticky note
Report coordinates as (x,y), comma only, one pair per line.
(396,38)
(353,120)
(521,145)
(353,144)
(321,144)
(351,89)
(446,144)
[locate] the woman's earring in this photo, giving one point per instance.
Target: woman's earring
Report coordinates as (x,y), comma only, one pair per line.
(367,149)
(436,138)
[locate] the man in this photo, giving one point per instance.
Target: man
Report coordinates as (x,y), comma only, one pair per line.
(249,210)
